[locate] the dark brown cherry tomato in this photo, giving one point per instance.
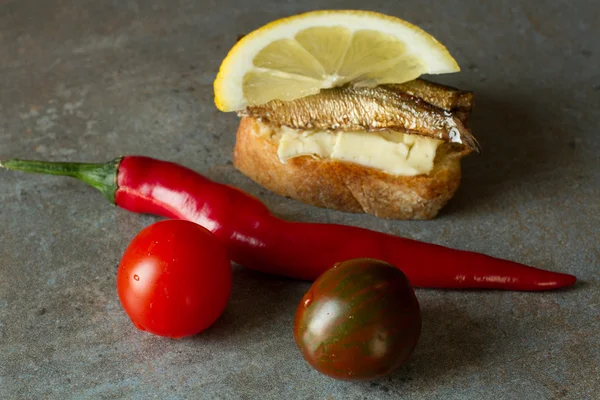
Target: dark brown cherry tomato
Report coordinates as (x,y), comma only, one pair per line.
(360,320)
(174,279)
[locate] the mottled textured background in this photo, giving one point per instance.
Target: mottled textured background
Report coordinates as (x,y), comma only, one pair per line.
(91,80)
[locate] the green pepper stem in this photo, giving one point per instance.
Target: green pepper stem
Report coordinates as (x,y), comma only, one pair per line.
(101,176)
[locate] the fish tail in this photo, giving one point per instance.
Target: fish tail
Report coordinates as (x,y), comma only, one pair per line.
(471,141)
(466,137)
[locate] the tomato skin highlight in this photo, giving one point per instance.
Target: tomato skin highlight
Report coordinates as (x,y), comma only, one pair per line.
(174,279)
(360,320)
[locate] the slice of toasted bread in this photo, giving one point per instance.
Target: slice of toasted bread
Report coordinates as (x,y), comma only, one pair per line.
(346,186)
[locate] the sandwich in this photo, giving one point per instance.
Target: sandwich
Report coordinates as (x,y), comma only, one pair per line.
(389,147)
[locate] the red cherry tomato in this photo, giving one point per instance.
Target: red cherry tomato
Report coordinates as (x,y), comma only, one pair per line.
(174,279)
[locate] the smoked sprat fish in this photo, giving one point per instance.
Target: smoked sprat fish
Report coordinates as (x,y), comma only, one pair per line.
(445,97)
(460,102)
(417,107)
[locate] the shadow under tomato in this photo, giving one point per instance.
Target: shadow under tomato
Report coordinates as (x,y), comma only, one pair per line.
(451,340)
(260,306)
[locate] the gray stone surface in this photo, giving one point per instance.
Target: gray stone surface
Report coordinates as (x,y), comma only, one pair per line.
(90,80)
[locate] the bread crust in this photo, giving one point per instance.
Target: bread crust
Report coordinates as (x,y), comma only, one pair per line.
(345,186)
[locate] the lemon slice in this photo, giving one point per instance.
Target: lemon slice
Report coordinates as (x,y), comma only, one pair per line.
(297,56)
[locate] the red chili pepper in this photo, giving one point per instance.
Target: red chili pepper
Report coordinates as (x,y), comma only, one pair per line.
(257,239)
